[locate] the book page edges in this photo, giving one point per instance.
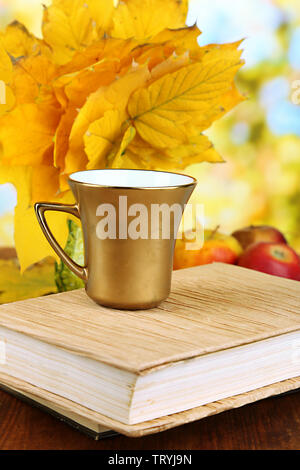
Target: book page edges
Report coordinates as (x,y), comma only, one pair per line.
(159,424)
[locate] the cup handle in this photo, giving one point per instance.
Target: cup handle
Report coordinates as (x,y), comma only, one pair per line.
(40,209)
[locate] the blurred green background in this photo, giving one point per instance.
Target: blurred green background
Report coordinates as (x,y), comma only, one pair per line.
(260,139)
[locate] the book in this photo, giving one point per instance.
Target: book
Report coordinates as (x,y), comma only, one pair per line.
(89,422)
(90,427)
(225,335)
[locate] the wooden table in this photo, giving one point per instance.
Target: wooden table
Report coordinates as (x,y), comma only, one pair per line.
(273,423)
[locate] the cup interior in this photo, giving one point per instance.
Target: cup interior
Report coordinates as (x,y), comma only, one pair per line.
(132,178)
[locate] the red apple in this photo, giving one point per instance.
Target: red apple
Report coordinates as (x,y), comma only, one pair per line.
(272,258)
(259,233)
(217,247)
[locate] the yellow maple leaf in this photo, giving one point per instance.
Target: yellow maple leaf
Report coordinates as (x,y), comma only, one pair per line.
(226,102)
(188,94)
(102,13)
(7,230)
(35,282)
(182,39)
(26,222)
(112,84)
(107,139)
(7,98)
(6,66)
(101,137)
(170,65)
(116,161)
(68,27)
(45,183)
(33,183)
(61,138)
(197,149)
(143,20)
(105,48)
(18,42)
(20,177)
(35,125)
(78,85)
(31,81)
(115,95)
(167,43)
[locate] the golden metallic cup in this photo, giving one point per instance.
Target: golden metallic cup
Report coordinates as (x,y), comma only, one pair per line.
(123,271)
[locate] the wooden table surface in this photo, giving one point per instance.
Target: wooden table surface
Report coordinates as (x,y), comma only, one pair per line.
(273,423)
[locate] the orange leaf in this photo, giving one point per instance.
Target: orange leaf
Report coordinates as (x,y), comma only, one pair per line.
(27,134)
(45,183)
(61,140)
(78,86)
(106,48)
(32,79)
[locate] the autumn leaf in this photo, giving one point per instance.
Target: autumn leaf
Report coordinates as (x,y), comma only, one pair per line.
(105,48)
(26,223)
(7,99)
(179,40)
(36,126)
(35,282)
(115,96)
(160,111)
(170,65)
(198,149)
(102,14)
(61,138)
(20,177)
(166,44)
(18,42)
(112,84)
(101,137)
(31,80)
(78,85)
(143,20)
(6,66)
(68,27)
(116,161)
(6,230)
(45,183)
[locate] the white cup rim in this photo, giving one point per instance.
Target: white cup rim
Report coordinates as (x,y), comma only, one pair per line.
(132,179)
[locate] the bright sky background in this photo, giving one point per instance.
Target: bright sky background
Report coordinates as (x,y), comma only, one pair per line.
(231,20)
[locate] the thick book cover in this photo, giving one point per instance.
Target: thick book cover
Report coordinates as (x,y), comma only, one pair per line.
(214,312)
(90,427)
(93,423)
